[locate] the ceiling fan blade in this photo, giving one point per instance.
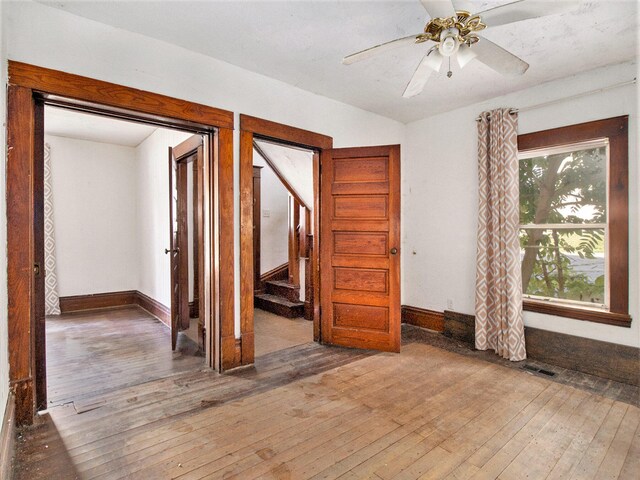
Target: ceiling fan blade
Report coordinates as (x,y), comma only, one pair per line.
(524,10)
(370,52)
(464,55)
(430,63)
(439,8)
(497,58)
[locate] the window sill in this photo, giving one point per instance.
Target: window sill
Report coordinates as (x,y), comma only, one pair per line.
(596,316)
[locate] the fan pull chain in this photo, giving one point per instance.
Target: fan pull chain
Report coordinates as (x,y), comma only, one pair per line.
(449,73)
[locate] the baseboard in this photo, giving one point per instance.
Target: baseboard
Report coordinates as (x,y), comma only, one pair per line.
(7,438)
(620,363)
(95,301)
(308,311)
(194,309)
(421,317)
(154,307)
(231,352)
(616,362)
(460,326)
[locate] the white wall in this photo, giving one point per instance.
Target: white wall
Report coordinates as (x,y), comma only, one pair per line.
(93,186)
(274,229)
(438,171)
(152,200)
(439,187)
(52,38)
(4,331)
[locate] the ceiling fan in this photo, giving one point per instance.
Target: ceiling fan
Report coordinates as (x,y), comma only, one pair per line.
(455,33)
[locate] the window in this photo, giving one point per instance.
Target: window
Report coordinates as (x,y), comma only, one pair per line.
(574,221)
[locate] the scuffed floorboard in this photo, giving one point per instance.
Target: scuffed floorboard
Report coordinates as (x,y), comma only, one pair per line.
(320,412)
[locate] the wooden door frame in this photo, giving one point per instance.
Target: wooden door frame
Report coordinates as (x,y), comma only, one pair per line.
(250,128)
(29,87)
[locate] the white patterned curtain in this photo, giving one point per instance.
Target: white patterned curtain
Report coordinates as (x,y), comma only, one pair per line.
(499,324)
(52,301)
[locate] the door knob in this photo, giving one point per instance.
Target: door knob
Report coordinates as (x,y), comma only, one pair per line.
(393,251)
(175,250)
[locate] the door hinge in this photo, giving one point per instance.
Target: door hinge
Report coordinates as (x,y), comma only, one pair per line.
(36,269)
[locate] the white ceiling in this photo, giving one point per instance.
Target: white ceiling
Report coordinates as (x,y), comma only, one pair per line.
(302,43)
(83,126)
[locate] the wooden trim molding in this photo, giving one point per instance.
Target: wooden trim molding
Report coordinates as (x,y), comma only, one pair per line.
(78,303)
(97,300)
(7,438)
(251,128)
(154,307)
(421,317)
(620,363)
(279,273)
(616,131)
(595,357)
(29,87)
(226,240)
(597,316)
(272,165)
(460,326)
(54,82)
(284,133)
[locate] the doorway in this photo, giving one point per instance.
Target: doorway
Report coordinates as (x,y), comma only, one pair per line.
(283,193)
(186,251)
(356,239)
(30,89)
(107,306)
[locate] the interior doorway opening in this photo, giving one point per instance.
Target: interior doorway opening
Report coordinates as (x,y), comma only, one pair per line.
(108,283)
(30,87)
(283,193)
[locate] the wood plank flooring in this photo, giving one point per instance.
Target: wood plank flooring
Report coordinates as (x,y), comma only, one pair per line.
(273,332)
(104,350)
(319,412)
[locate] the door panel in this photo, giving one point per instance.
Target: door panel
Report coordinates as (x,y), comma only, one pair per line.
(183,245)
(173,247)
(188,154)
(360,260)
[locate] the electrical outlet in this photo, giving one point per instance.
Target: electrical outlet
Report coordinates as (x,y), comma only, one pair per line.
(266,213)
(449,304)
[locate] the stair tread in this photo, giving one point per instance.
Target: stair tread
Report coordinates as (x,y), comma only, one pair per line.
(283,284)
(280,300)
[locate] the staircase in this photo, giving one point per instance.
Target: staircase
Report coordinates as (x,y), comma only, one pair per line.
(280,297)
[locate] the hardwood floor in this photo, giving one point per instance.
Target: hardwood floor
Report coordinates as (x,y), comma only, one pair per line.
(273,332)
(312,411)
(98,351)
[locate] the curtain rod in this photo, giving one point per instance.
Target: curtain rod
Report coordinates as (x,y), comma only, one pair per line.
(578,95)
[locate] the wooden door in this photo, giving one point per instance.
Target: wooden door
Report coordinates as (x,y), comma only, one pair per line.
(190,151)
(360,247)
(174,249)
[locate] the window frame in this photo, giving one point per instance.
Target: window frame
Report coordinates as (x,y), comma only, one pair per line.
(616,131)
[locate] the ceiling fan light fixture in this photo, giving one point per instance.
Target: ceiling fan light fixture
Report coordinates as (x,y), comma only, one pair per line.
(465,55)
(449,42)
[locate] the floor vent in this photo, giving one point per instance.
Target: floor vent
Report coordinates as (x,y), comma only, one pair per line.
(531,368)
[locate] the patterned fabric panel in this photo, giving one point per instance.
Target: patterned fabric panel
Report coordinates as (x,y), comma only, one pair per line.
(499,323)
(52,302)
